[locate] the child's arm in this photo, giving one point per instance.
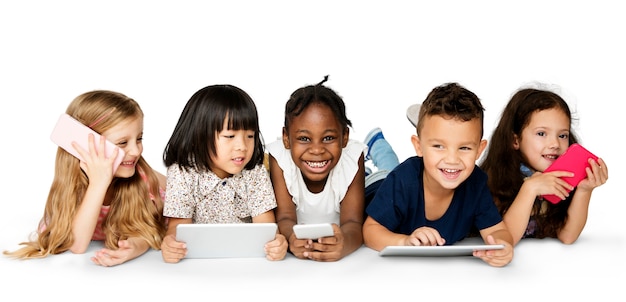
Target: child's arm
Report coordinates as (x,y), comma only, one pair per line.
(377,236)
(497,234)
(286,216)
(130,248)
(99,170)
(577,212)
(277,248)
(517,216)
(173,251)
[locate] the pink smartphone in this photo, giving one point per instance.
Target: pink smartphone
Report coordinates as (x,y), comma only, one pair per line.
(69,129)
(574,159)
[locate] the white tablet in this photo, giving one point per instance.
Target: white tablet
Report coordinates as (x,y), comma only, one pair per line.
(437,251)
(227,240)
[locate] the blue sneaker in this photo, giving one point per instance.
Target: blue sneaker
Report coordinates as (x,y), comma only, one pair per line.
(374,135)
(368,171)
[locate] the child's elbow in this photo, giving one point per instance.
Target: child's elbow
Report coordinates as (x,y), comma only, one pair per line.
(75,249)
(568,240)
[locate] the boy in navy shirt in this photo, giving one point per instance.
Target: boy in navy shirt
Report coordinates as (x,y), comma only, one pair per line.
(438,196)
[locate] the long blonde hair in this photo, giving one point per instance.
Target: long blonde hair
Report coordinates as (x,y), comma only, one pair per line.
(136,207)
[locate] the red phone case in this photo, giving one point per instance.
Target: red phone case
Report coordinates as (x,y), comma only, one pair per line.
(574,159)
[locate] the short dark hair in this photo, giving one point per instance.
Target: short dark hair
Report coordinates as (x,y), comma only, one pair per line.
(313,94)
(451,100)
(193,139)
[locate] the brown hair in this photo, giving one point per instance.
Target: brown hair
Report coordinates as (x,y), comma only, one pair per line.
(451,100)
(502,161)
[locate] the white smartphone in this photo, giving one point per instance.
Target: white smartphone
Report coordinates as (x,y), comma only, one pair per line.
(68,129)
(313,231)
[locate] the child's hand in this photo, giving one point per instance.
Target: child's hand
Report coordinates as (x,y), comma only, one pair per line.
(299,246)
(277,248)
(172,251)
(549,183)
(326,248)
(425,236)
(597,175)
(127,250)
(496,257)
(95,164)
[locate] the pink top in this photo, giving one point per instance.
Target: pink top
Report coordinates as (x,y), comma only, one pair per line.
(98,234)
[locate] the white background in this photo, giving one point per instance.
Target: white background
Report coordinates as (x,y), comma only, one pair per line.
(381,56)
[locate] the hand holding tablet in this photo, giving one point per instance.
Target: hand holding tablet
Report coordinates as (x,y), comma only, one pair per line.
(437,251)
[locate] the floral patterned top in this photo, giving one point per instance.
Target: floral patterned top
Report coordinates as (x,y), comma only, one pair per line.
(206,198)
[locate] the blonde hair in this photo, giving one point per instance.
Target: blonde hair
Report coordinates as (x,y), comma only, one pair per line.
(136,207)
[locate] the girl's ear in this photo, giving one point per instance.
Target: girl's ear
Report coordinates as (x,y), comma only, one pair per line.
(346,136)
(515,142)
(286,139)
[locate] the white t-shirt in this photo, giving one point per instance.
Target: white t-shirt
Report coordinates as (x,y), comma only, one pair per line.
(322,207)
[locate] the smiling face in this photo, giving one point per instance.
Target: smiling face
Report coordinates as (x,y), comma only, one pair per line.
(450,148)
(128,136)
(544,138)
(315,139)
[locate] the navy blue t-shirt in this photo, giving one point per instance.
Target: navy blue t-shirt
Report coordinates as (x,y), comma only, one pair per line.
(399,203)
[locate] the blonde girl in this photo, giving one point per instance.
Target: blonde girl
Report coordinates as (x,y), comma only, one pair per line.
(89,201)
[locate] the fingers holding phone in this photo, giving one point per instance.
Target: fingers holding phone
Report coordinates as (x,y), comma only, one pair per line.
(87,145)
(95,162)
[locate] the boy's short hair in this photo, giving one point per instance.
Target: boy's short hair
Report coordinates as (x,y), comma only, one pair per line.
(453,101)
